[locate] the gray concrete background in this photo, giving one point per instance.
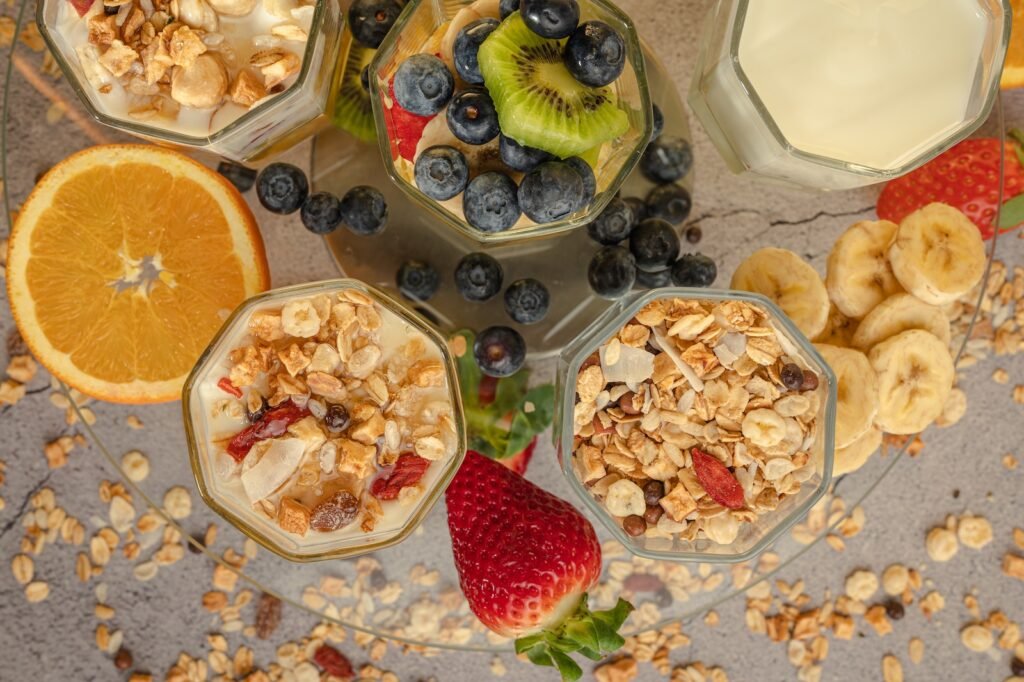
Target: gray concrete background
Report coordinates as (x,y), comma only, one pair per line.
(960,470)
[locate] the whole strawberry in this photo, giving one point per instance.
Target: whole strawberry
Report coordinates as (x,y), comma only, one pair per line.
(526,560)
(965,177)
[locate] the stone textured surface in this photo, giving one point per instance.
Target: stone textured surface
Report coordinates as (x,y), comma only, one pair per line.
(960,470)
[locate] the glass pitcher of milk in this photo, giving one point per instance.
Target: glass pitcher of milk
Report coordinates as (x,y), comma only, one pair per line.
(836,94)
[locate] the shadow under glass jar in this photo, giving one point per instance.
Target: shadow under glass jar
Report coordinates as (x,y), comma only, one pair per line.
(753,537)
(419,26)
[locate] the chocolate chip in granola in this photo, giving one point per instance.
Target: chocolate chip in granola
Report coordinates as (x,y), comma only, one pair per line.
(634,525)
(810,381)
(123,659)
(653,492)
(338,512)
(792,376)
(894,609)
(336,418)
(653,514)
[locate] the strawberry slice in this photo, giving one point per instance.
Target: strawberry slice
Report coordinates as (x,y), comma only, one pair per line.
(965,177)
(81,6)
(404,127)
(717,480)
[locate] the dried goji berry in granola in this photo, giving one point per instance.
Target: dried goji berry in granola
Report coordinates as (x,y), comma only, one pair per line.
(225,385)
(409,469)
(717,480)
(271,425)
(334,662)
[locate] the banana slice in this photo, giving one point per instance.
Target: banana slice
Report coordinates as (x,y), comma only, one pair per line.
(898,314)
(857,453)
(858,276)
(938,254)
(839,329)
(791,283)
(857,389)
(915,377)
(954,408)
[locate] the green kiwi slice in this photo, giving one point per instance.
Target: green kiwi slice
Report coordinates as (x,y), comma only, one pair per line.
(352,110)
(539,103)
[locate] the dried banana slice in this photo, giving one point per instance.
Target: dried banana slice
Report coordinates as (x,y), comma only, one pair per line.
(898,314)
(791,283)
(857,391)
(858,274)
(915,377)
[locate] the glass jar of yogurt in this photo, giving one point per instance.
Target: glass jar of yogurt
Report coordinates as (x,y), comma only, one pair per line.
(243,79)
(324,420)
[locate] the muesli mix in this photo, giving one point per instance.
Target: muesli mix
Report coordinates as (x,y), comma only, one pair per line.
(697,417)
(346,415)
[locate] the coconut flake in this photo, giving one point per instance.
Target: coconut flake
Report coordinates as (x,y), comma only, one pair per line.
(632,367)
(276,466)
(687,371)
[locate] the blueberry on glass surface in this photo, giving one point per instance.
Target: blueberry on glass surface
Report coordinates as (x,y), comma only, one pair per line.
(694,270)
(613,225)
(654,280)
(666,159)
(370,20)
(499,351)
(441,172)
(550,192)
(417,280)
(321,213)
(281,188)
(527,301)
(467,44)
(507,7)
(639,209)
(472,117)
(478,277)
(669,202)
(520,157)
(595,54)
(612,272)
(364,210)
(654,244)
(659,122)
(241,177)
(490,202)
(551,18)
(423,84)
(589,181)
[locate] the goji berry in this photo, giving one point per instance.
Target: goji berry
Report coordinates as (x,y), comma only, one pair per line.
(334,662)
(225,385)
(409,469)
(717,480)
(272,424)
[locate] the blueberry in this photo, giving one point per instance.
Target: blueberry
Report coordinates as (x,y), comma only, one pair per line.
(639,209)
(666,159)
(417,280)
(507,7)
(478,277)
(612,272)
(654,280)
(527,301)
(659,122)
(370,20)
(281,188)
(654,244)
(520,157)
(595,54)
(364,78)
(613,225)
(467,44)
(472,117)
(589,181)
(241,177)
(321,213)
(490,203)
(551,18)
(669,202)
(423,84)
(694,270)
(499,351)
(364,210)
(550,192)
(441,172)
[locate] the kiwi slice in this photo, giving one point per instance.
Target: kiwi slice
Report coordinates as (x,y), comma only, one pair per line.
(352,109)
(539,103)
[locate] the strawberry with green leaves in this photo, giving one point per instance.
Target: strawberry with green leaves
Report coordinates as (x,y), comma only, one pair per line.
(503,416)
(526,560)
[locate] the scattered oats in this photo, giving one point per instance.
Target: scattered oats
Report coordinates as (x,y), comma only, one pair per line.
(37,591)
(977,638)
(1018,537)
(974,531)
(932,603)
(498,668)
(134,422)
(122,514)
(104,612)
(99,550)
(1013,566)
(23,569)
(83,568)
(916,650)
(177,503)
(621,670)
(1009,462)
(145,571)
(861,585)
(877,619)
(224,578)
(892,669)
(1018,394)
(135,465)
(941,544)
(711,618)
(895,579)
(835,542)
(1001,376)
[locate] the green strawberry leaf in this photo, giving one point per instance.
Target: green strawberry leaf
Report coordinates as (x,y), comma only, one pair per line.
(615,616)
(540,655)
(509,395)
(1012,213)
(582,632)
(524,644)
(469,373)
(1017,136)
(570,670)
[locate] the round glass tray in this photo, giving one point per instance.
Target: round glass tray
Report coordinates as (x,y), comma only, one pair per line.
(410,592)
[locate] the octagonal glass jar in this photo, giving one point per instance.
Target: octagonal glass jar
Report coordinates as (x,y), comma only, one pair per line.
(430,25)
(295,108)
(674,427)
(217,413)
(837,95)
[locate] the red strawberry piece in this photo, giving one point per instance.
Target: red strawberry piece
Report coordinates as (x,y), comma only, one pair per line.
(81,6)
(404,127)
(272,424)
(520,460)
(333,662)
(717,480)
(225,385)
(526,560)
(966,177)
(408,470)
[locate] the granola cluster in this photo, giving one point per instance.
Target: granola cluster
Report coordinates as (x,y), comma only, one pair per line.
(347,408)
(685,379)
(169,54)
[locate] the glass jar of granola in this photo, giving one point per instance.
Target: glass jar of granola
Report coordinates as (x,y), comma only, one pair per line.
(324,420)
(697,425)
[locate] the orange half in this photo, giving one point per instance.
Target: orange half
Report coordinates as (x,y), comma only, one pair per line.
(123,264)
(1013,67)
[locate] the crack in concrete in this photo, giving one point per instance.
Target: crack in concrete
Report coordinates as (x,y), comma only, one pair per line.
(821,214)
(16,519)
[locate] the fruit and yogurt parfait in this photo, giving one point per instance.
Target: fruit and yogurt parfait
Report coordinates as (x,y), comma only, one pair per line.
(700,424)
(202,73)
(324,420)
(512,119)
